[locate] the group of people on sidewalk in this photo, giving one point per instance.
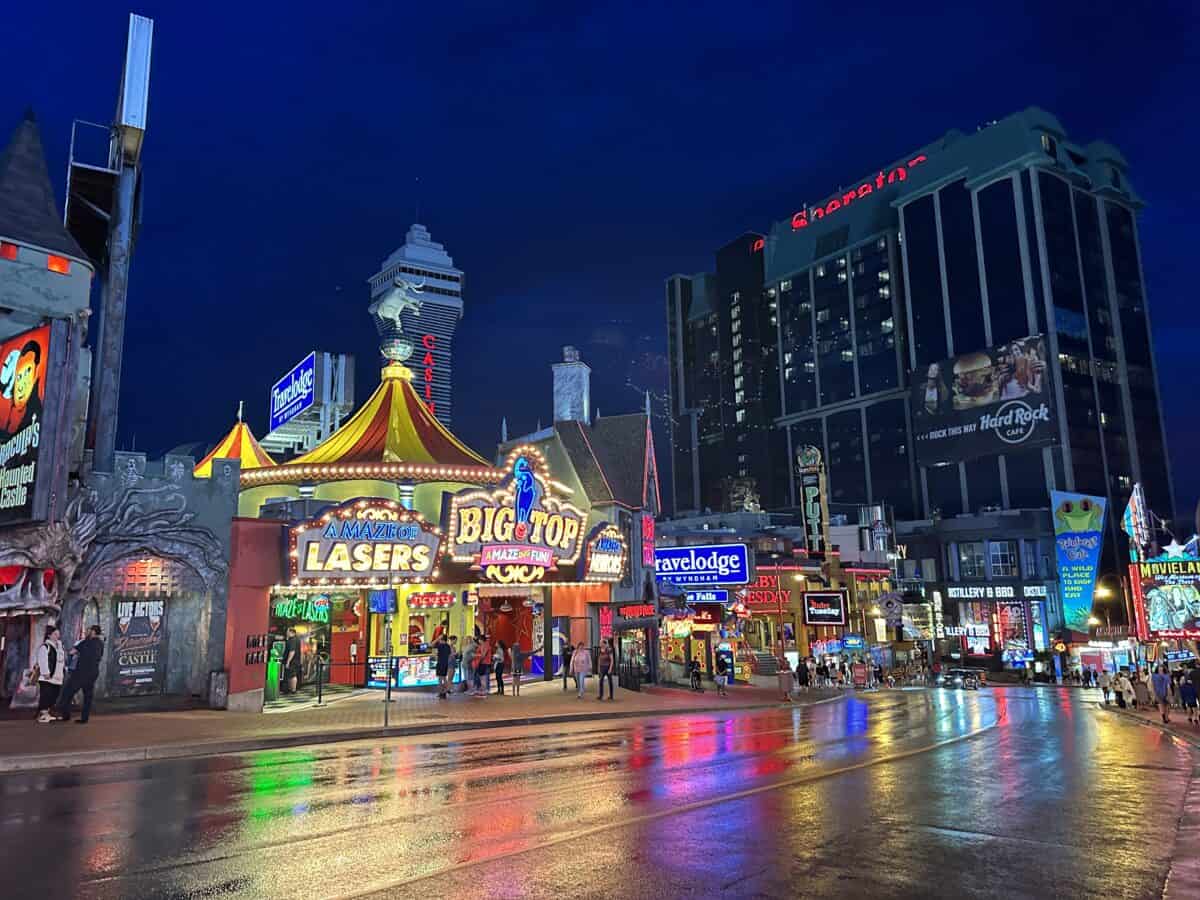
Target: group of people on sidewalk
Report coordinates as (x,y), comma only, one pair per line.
(1164,689)
(476,663)
(60,675)
(577,662)
(811,673)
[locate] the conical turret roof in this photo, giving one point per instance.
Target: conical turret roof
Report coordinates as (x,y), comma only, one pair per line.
(239,444)
(27,209)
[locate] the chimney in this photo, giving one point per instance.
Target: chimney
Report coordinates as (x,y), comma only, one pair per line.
(572,388)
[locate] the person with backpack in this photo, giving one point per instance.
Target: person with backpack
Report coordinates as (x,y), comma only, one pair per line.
(50,667)
(519,658)
(722,675)
(87,653)
(443,666)
(499,657)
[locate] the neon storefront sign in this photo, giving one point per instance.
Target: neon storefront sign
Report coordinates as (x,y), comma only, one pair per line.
(429,342)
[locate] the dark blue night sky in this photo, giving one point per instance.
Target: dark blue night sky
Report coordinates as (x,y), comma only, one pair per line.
(569,158)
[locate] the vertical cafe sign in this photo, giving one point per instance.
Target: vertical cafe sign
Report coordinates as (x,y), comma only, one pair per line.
(1078,539)
(139,647)
(810,494)
(32,404)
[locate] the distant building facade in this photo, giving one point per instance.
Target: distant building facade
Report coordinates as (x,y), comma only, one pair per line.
(961,246)
(422,260)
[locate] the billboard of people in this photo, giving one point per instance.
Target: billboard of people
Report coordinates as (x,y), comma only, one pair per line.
(24,361)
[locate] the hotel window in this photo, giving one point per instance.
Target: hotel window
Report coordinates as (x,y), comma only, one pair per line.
(739,397)
(822,315)
(737,325)
(885,275)
(737,382)
(737,339)
(881,244)
(787,358)
(971,561)
(841,262)
(887,326)
(741,457)
(785,285)
(741,416)
(788,372)
(847,356)
(1003,556)
(735,296)
(735,311)
(770,292)
(841,277)
(821,271)
(737,354)
(885,292)
(737,368)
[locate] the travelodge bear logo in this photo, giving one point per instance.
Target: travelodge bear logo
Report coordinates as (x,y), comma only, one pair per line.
(515,533)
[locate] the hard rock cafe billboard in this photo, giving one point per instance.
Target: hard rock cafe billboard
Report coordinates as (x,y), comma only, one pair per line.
(990,401)
(365,541)
(518,533)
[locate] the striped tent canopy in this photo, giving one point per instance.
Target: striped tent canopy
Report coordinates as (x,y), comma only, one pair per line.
(239,444)
(393,426)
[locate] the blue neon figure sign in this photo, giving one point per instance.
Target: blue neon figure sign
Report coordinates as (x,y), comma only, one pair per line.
(717,564)
(294,392)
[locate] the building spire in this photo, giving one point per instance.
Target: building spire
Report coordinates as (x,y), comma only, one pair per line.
(504,430)
(241,409)
(647,404)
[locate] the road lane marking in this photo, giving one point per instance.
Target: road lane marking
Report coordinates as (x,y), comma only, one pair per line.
(673,811)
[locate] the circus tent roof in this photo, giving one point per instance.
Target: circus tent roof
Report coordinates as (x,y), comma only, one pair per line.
(239,444)
(393,435)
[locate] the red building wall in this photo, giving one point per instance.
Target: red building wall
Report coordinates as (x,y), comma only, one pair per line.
(256,564)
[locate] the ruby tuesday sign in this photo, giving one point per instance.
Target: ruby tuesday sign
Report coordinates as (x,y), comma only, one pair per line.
(719,564)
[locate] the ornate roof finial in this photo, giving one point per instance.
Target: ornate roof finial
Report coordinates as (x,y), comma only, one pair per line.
(241,408)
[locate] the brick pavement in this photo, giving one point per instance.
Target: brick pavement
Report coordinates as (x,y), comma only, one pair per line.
(171,734)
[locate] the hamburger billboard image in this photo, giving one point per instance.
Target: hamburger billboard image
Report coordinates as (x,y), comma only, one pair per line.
(989,401)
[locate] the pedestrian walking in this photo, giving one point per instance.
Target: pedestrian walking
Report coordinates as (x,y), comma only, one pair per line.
(606,664)
(1126,695)
(499,658)
(1160,681)
(49,669)
(291,661)
(483,667)
(722,675)
(468,664)
(1189,699)
(784,678)
(87,654)
(581,666)
(443,666)
(803,678)
(1141,689)
(567,650)
(519,657)
(1105,683)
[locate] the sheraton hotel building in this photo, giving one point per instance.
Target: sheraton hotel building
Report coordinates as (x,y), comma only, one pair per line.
(815,333)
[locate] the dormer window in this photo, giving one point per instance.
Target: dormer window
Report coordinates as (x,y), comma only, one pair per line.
(59,264)
(7,250)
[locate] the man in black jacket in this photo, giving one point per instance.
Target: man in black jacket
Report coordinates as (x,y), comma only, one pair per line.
(83,677)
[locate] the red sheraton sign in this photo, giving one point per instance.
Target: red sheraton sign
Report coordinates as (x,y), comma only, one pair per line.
(810,214)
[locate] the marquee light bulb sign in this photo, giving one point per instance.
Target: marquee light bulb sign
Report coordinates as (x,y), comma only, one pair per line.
(518,532)
(365,542)
(607,554)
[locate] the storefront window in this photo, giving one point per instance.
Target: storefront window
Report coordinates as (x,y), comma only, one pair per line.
(1003,558)
(971,560)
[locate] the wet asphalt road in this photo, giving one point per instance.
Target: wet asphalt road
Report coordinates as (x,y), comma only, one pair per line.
(1000,793)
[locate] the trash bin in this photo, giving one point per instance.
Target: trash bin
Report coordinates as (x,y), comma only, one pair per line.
(274,670)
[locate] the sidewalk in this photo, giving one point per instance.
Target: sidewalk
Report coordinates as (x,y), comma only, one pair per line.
(1178,727)
(131,737)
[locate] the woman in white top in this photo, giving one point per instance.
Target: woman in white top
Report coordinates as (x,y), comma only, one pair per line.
(51,666)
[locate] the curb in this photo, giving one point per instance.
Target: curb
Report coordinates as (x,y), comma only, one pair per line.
(77,759)
(1133,717)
